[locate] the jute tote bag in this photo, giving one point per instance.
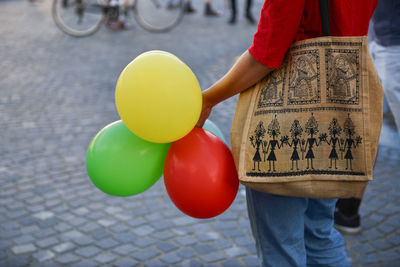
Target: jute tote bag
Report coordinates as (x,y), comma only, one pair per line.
(311,128)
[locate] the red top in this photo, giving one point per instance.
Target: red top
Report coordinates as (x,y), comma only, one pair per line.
(283,22)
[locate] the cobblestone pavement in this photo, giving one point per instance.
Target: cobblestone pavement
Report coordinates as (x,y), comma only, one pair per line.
(56,92)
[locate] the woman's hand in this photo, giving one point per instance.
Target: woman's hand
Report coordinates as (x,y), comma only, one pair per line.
(205,112)
(244,73)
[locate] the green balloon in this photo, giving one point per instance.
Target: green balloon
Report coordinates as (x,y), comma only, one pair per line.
(121,164)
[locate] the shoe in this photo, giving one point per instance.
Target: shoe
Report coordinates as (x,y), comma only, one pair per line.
(172,6)
(119,25)
(250,18)
(347,224)
(208,11)
(189,8)
(232,20)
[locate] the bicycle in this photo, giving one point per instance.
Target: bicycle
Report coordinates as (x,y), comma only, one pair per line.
(84,17)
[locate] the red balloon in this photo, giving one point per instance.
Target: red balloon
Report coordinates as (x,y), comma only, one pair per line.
(200,174)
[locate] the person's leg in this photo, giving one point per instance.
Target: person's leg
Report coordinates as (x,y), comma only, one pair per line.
(233,12)
(324,244)
(347,218)
(208,11)
(387,63)
(277,223)
(248,14)
(188,7)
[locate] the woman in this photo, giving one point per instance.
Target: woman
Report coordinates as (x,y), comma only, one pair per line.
(290,231)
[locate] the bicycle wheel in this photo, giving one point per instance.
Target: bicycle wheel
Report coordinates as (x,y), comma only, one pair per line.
(78,17)
(158,15)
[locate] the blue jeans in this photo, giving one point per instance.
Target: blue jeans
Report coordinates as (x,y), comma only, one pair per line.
(291,231)
(387,63)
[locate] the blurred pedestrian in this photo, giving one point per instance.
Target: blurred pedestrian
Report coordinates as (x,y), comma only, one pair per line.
(208,10)
(290,231)
(115,22)
(384,46)
(247,15)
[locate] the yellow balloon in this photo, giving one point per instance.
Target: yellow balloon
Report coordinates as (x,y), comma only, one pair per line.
(158,97)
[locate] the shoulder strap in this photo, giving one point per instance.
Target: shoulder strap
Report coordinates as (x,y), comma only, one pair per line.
(324,12)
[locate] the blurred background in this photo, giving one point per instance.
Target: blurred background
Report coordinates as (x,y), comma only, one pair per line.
(57,92)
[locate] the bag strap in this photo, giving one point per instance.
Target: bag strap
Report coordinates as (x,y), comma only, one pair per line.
(324,12)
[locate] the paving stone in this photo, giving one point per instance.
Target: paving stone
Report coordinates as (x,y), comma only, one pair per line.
(47,242)
(186,253)
(143,230)
(223,225)
(89,227)
(8,234)
(245,240)
(364,248)
(126,262)
(43,255)
(62,227)
(231,263)
(144,255)
(84,240)
(161,225)
(105,257)
(107,243)
(16,214)
(67,258)
(251,261)
(16,262)
(211,257)
(389,255)
(232,233)
(166,246)
(163,235)
(170,258)
(4,244)
(3,255)
(28,220)
(119,228)
(155,263)
(95,215)
(193,263)
(222,244)
(251,249)
(21,249)
(186,240)
(203,248)
(88,251)
(43,233)
(394,239)
(381,244)
(43,215)
(100,234)
(106,222)
(125,238)
(48,223)
(77,221)
(85,263)
(124,249)
(74,234)
(23,239)
(368,259)
(136,222)
(64,247)
(183,221)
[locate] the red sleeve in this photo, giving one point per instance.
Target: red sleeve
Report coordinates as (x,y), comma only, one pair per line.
(276,30)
